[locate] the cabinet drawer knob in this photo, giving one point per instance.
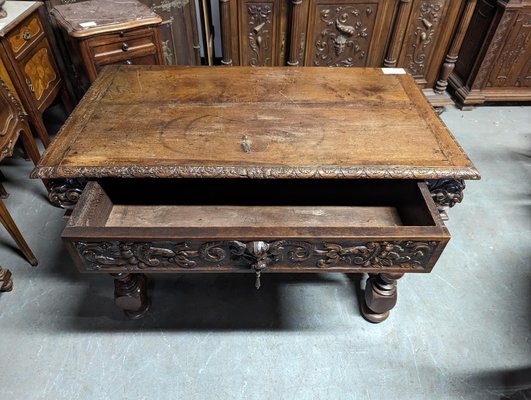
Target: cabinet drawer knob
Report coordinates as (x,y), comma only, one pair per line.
(128,62)
(125,47)
(26,35)
(121,34)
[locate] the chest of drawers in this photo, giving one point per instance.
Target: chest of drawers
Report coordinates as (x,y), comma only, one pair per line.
(100,33)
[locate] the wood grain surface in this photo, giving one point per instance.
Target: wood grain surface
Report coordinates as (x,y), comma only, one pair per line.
(161,121)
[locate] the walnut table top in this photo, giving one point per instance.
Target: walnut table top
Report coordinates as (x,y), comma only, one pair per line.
(162,121)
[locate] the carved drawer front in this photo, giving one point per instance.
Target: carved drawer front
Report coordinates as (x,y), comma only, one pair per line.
(40,74)
(112,48)
(25,35)
(262,32)
(346,33)
(278,226)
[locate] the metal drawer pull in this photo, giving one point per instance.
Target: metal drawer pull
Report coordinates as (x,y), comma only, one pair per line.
(125,47)
(128,62)
(26,35)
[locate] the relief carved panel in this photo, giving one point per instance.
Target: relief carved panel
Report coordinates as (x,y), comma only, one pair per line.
(426,21)
(254,255)
(259,35)
(342,35)
(513,66)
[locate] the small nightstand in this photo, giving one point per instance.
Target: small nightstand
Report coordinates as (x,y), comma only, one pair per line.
(27,63)
(100,33)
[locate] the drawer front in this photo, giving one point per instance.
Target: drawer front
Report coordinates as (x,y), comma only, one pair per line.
(25,35)
(150,59)
(122,48)
(281,255)
(40,74)
(105,235)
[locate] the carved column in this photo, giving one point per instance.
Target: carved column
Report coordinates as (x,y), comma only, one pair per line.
(6,282)
(451,57)
(130,294)
(226,42)
(296,23)
(380,297)
(399,32)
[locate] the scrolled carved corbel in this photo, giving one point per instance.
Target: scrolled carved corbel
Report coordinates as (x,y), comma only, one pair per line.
(446,193)
(64,193)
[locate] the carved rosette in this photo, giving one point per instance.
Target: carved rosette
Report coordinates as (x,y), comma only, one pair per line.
(65,193)
(259,37)
(344,38)
(424,29)
(256,255)
(446,193)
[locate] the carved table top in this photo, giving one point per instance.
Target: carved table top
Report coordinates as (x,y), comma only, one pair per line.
(162,121)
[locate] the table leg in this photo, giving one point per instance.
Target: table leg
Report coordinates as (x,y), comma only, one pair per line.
(6,282)
(380,297)
(130,294)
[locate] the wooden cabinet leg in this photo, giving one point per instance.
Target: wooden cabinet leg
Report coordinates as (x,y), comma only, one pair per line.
(9,224)
(380,297)
(130,294)
(6,282)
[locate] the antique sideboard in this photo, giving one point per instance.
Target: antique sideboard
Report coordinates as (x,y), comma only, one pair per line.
(421,36)
(261,170)
(494,63)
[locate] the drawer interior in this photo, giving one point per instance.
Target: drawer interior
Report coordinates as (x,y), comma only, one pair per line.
(241,203)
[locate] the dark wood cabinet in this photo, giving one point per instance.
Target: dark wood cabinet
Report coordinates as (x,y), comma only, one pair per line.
(495,60)
(413,34)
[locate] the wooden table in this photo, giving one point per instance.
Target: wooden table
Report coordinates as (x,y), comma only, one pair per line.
(255,170)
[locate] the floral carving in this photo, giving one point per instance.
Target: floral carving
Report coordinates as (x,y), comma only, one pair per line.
(318,172)
(344,37)
(424,31)
(257,255)
(260,34)
(65,193)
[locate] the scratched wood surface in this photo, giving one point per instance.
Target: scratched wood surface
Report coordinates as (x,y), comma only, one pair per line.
(162,121)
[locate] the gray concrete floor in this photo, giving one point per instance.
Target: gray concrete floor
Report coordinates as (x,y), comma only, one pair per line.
(461,332)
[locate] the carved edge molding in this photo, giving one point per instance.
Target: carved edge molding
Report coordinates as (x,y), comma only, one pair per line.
(255,255)
(375,172)
(446,193)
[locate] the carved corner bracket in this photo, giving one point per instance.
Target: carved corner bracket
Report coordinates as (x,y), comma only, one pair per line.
(64,193)
(446,193)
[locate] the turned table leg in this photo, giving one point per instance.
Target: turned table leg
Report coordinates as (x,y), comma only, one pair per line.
(130,294)
(6,281)
(380,297)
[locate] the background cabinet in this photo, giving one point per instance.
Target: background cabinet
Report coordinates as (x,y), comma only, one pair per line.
(413,34)
(495,60)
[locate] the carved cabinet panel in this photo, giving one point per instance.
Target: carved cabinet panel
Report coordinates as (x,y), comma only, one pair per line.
(346,33)
(412,34)
(265,35)
(498,68)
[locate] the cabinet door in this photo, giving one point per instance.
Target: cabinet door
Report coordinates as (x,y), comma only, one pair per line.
(512,68)
(262,32)
(40,74)
(348,33)
(427,36)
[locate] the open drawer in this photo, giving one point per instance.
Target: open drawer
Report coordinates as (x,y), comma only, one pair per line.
(238,225)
